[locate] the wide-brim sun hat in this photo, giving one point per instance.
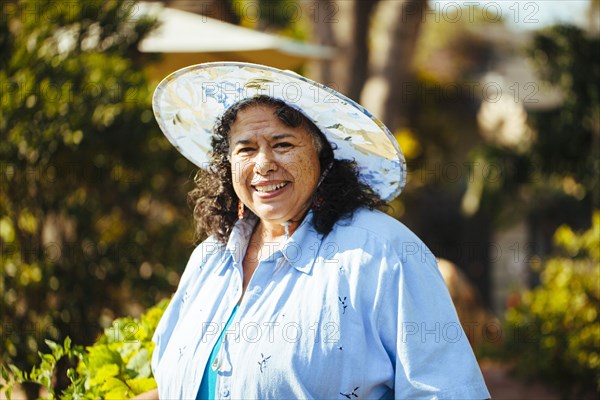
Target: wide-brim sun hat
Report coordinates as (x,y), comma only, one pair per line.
(188,103)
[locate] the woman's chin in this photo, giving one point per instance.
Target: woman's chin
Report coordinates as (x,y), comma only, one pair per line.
(272,216)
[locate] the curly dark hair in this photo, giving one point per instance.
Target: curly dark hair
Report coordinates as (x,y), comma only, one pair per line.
(214,201)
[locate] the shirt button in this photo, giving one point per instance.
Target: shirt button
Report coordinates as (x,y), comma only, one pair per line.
(257,289)
(225,392)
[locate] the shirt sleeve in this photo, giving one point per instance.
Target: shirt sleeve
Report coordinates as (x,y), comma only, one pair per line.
(432,355)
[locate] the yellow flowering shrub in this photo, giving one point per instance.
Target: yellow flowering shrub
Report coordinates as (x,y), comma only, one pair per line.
(553,334)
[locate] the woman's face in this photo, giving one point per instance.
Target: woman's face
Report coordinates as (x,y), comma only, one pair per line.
(275,168)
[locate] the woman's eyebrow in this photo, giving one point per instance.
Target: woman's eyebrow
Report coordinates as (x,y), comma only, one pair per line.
(278,136)
(242,141)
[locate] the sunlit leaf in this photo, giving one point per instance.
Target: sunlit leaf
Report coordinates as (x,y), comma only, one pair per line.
(141,385)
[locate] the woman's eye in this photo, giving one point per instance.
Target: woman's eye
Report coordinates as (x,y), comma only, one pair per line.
(283,145)
(245,150)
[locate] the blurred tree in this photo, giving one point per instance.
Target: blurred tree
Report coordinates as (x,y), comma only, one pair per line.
(439,103)
(218,9)
(375,42)
(265,15)
(344,25)
(553,180)
(568,139)
(393,44)
(90,191)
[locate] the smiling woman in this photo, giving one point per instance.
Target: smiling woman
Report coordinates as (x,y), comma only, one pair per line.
(298,146)
(302,289)
(274,167)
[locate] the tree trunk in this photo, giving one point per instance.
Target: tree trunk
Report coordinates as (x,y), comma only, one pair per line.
(32,390)
(343,25)
(360,54)
(393,47)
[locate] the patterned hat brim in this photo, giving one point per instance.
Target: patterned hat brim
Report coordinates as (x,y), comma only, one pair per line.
(189,102)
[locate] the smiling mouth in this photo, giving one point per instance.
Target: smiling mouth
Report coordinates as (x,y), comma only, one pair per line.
(270,188)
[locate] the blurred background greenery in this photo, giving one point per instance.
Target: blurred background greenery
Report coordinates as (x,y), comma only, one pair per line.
(495,104)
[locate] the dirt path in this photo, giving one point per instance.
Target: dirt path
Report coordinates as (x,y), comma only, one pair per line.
(504,387)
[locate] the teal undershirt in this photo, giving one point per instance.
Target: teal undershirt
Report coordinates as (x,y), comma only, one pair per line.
(209,379)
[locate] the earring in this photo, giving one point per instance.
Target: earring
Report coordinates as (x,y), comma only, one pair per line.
(241,211)
(318,202)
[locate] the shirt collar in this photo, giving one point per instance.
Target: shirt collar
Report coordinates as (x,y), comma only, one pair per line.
(300,250)
(238,242)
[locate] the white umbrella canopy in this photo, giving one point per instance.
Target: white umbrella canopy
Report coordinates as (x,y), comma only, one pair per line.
(186,38)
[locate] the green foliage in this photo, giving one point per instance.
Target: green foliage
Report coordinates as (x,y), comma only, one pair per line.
(568,139)
(554,333)
(117,366)
(91,193)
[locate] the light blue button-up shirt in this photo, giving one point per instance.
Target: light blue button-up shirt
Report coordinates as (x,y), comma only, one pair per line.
(361,313)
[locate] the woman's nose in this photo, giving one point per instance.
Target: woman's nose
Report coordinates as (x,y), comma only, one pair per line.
(264,163)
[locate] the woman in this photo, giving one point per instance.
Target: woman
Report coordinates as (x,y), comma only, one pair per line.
(302,289)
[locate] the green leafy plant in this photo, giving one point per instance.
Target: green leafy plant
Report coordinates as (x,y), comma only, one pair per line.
(92,211)
(553,334)
(117,366)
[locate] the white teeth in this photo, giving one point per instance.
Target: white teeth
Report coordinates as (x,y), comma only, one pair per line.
(269,188)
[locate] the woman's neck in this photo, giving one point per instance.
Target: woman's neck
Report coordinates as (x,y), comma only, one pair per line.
(274,232)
